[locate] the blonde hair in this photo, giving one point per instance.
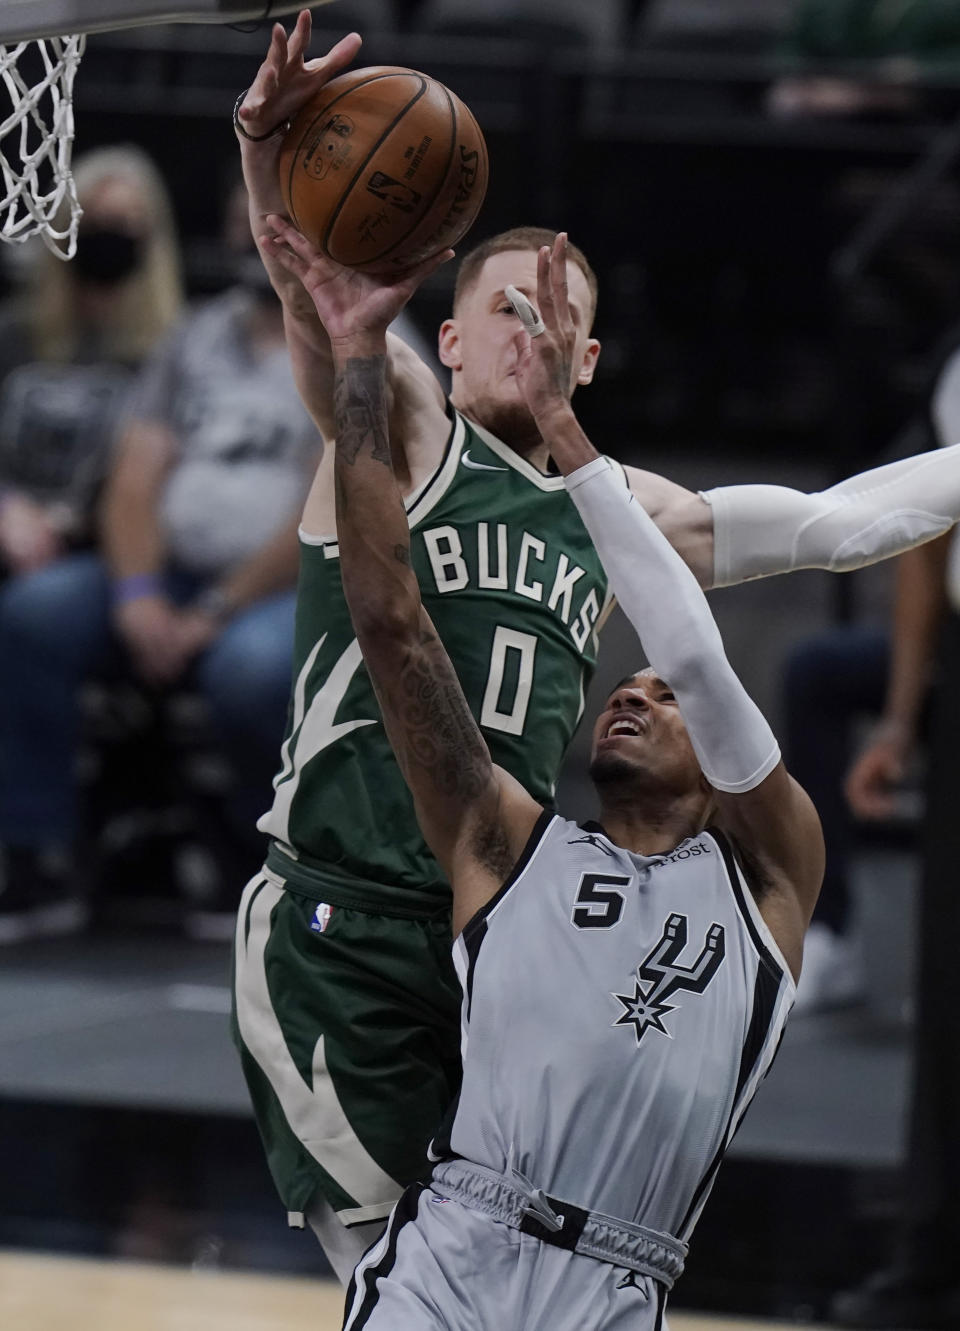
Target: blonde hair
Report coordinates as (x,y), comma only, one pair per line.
(147,304)
(519,238)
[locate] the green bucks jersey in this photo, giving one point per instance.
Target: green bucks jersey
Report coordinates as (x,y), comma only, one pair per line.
(515,588)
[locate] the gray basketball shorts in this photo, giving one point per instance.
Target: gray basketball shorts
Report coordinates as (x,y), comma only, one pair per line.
(440,1266)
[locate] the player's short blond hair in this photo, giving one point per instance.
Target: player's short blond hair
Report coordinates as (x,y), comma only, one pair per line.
(519,238)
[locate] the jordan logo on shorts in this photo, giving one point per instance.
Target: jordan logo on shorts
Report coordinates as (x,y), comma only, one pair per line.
(660,975)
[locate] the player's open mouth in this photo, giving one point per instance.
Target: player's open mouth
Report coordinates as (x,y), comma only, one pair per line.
(624,725)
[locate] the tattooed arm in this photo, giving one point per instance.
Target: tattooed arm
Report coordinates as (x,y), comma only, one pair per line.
(474,816)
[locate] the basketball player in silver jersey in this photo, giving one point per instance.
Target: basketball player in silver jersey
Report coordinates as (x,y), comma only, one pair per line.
(341,1115)
(625,984)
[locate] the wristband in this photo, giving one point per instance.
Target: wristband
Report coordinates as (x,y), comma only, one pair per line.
(255,138)
(134,586)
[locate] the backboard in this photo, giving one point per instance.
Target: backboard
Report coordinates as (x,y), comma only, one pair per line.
(23,19)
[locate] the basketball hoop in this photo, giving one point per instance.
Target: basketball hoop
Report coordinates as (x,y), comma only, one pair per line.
(36,143)
(37,69)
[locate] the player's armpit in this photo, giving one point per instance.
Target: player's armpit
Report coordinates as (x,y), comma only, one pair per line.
(685,519)
(493,845)
(778,837)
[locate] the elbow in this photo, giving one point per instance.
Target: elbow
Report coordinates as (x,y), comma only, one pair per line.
(384,624)
(379,626)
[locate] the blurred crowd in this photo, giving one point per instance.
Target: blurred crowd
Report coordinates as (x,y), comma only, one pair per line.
(154,458)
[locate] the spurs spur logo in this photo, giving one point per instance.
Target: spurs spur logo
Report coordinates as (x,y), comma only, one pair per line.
(661,975)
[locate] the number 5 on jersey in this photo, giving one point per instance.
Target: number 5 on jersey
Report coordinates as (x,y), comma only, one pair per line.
(599,905)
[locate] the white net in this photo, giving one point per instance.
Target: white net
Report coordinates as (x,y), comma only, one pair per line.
(36,142)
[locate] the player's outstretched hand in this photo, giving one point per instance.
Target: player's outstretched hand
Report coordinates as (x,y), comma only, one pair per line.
(547,337)
(349,303)
(285,80)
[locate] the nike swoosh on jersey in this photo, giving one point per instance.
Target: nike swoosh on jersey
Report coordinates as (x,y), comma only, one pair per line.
(467,461)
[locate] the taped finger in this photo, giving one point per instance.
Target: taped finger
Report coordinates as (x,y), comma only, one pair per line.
(525,311)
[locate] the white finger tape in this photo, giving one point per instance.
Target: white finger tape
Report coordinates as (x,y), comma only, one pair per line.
(526,311)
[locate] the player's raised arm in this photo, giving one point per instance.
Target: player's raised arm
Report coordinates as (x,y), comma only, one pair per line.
(735,533)
(474,817)
(285,82)
(767,813)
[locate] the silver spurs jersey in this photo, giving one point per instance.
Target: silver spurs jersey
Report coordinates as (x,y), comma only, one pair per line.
(619,1013)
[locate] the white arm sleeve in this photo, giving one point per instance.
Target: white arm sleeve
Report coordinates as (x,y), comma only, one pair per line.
(660,596)
(763,529)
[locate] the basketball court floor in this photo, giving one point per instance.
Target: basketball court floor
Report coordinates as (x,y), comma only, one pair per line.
(47,1293)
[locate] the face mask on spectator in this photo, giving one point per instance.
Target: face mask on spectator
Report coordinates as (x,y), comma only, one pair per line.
(107,256)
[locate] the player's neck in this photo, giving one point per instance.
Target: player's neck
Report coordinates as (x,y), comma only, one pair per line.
(534,450)
(512,426)
(528,445)
(649,826)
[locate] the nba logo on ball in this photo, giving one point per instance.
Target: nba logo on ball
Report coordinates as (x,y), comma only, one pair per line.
(393,191)
(321,917)
(383,168)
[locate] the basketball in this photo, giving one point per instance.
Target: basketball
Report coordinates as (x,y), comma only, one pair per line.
(383,168)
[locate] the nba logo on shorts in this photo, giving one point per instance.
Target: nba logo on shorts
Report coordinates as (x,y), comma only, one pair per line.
(321,917)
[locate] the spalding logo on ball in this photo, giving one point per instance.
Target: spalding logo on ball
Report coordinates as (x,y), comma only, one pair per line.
(383,168)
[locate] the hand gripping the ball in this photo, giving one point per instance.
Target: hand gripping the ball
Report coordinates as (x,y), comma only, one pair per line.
(286,81)
(348,301)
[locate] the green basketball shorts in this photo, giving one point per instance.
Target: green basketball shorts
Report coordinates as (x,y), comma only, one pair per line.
(348,1026)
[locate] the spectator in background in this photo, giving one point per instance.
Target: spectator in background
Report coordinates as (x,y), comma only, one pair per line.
(195,583)
(831,682)
(69,345)
(921,1286)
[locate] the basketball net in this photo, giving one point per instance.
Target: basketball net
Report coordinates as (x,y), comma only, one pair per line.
(36,142)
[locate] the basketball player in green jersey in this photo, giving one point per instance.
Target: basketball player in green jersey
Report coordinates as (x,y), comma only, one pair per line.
(347,1008)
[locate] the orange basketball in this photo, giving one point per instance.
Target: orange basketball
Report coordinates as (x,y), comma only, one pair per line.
(383,168)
